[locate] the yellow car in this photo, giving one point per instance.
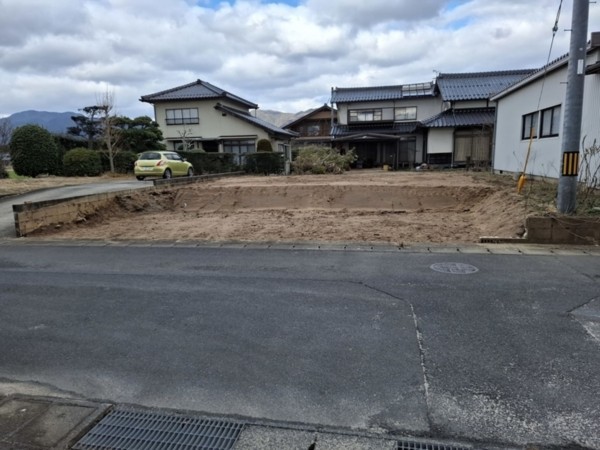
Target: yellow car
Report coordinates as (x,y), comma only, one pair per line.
(162,164)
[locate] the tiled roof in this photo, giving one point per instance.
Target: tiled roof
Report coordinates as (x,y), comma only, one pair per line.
(461,118)
(397,128)
(246,116)
(366,94)
(325,107)
(477,85)
(198,90)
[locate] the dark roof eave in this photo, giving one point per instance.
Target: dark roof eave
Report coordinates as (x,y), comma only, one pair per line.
(272,129)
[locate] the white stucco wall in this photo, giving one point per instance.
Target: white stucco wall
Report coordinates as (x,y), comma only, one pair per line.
(440,140)
(510,150)
(472,104)
(213,124)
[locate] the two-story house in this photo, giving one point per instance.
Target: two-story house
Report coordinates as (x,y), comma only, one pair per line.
(463,132)
(202,116)
(446,122)
(383,124)
(314,127)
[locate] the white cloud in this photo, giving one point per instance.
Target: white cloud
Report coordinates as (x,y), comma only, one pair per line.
(59,55)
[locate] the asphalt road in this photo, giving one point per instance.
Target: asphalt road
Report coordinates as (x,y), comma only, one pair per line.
(364,339)
(7,221)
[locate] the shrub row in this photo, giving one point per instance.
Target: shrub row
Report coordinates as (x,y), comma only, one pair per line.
(211,162)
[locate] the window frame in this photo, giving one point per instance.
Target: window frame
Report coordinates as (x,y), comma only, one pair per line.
(554,116)
(354,114)
(182,116)
(405,108)
(526,129)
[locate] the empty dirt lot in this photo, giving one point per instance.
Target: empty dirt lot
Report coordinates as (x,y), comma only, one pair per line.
(359,206)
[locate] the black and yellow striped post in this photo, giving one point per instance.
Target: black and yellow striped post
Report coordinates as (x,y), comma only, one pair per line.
(570,164)
(572,111)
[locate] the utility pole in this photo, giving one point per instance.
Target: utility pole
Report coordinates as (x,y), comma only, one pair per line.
(572,111)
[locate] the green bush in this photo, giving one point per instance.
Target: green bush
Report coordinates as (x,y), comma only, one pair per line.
(211,162)
(123,161)
(319,160)
(264,145)
(81,162)
(264,163)
(33,151)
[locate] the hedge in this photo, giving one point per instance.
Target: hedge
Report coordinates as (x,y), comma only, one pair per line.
(265,163)
(211,162)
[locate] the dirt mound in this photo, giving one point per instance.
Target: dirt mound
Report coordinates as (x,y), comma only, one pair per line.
(390,207)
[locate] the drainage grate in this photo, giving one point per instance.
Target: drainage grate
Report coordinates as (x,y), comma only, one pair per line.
(128,430)
(407,445)
(454,268)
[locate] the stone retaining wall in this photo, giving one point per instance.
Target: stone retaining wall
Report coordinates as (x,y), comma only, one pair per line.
(32,216)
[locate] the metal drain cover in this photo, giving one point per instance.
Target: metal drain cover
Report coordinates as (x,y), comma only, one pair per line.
(454,268)
(409,445)
(127,430)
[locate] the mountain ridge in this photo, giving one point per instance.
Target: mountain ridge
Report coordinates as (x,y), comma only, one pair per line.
(59,122)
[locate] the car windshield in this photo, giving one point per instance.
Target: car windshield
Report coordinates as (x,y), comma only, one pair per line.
(151,155)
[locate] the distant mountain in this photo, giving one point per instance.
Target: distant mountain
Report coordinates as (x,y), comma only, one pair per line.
(279,118)
(58,123)
(53,121)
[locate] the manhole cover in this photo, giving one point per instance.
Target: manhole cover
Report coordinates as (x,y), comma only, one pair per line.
(454,268)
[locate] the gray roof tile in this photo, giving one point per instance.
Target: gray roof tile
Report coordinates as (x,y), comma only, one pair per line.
(461,118)
(246,116)
(477,85)
(366,94)
(397,128)
(198,90)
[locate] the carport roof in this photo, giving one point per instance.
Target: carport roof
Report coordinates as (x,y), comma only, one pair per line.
(339,131)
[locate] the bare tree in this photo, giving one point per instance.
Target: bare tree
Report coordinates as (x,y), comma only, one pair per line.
(6,130)
(185,135)
(111,134)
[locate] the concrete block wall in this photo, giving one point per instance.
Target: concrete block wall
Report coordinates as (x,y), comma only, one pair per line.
(30,217)
(563,230)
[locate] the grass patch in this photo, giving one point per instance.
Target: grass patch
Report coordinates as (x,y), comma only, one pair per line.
(13,176)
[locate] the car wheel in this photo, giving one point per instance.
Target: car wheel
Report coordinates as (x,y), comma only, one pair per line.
(140,178)
(167,173)
(190,172)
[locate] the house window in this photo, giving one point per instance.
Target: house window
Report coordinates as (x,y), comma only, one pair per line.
(364,115)
(182,116)
(406,113)
(313,130)
(239,148)
(530,122)
(550,122)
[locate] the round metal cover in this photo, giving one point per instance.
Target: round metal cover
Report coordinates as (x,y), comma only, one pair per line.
(454,268)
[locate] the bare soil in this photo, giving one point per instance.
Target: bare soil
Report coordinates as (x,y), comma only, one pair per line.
(359,206)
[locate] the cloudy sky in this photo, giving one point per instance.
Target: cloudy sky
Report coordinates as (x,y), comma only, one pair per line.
(61,55)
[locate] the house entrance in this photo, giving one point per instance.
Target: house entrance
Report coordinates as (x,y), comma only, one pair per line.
(473,145)
(394,153)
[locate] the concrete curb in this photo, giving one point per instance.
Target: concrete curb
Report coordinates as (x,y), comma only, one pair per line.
(40,423)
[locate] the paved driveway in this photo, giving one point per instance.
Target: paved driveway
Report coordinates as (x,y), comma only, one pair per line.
(7,224)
